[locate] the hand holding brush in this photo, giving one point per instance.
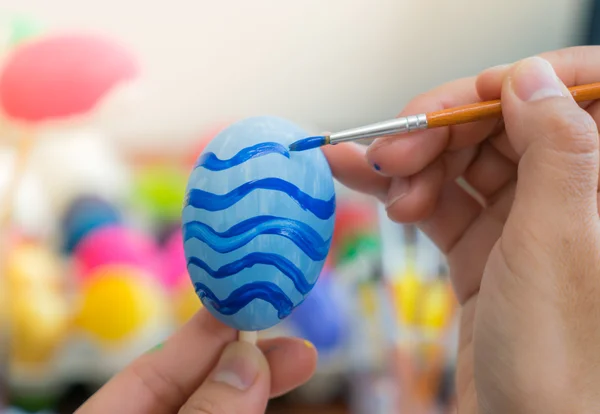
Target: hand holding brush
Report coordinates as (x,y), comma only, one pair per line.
(523,253)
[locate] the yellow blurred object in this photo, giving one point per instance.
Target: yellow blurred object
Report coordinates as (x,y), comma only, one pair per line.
(37,312)
(39,324)
(408,292)
(185,303)
(118,302)
(368,298)
(32,267)
(4,303)
(436,306)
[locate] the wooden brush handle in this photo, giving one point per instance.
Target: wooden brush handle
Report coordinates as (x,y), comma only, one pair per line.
(492,109)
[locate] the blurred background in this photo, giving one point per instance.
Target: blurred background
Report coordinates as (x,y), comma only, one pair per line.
(94,163)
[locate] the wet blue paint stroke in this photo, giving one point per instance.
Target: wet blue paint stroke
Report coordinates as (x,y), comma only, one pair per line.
(242,296)
(211,162)
(284,265)
(205,200)
(308,143)
(301,234)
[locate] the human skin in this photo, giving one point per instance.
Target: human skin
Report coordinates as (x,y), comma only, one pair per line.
(524,263)
(202,369)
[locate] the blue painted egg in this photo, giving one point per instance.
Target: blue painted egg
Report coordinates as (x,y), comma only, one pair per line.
(257,222)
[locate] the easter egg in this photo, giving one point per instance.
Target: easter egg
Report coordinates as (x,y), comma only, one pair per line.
(39,322)
(37,309)
(116,244)
(66,175)
(84,215)
(119,302)
(32,267)
(257,222)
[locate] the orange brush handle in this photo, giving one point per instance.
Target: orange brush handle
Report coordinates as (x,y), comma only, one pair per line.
(491,109)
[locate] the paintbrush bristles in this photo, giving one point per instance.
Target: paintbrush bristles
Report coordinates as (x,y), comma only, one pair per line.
(309,143)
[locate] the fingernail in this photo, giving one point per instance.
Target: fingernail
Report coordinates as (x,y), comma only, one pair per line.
(271,349)
(238,366)
(398,190)
(534,79)
(377,169)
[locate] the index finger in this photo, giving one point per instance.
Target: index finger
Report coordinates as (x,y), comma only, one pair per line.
(162,380)
(406,155)
(410,153)
(574,66)
(349,165)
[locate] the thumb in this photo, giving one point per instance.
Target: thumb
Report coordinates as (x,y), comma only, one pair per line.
(557,142)
(240,383)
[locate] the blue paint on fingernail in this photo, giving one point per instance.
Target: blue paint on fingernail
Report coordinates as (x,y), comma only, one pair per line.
(377,167)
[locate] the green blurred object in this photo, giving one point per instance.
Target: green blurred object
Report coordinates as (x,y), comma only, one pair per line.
(23,28)
(160,191)
(18,29)
(358,245)
(34,402)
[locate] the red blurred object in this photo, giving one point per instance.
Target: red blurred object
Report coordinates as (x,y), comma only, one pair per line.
(352,218)
(203,141)
(327,266)
(62,75)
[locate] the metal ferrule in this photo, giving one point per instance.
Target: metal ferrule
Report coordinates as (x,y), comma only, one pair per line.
(401,125)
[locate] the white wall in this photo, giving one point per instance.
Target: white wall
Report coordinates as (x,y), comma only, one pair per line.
(328,63)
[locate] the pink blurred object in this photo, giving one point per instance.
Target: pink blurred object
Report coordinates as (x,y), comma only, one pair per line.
(62,75)
(174,267)
(116,245)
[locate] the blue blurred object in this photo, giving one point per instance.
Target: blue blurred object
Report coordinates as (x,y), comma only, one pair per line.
(257,222)
(84,215)
(322,318)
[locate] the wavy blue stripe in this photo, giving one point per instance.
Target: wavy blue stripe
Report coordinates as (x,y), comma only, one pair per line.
(284,265)
(211,162)
(215,202)
(242,296)
(301,234)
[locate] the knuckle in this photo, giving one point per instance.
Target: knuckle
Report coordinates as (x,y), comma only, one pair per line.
(202,404)
(574,131)
(162,387)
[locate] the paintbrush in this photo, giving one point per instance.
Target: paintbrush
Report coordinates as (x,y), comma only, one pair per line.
(446,117)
